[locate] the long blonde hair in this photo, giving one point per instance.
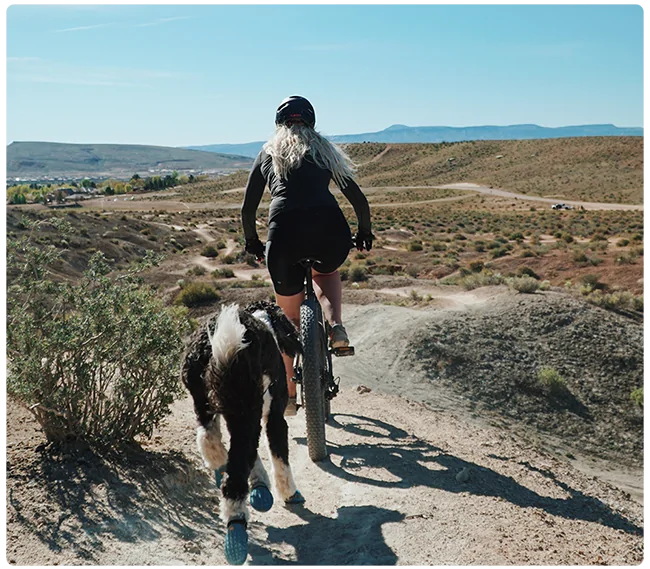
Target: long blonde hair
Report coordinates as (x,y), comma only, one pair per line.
(291,143)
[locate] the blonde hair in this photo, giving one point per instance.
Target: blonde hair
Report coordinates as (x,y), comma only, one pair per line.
(291,143)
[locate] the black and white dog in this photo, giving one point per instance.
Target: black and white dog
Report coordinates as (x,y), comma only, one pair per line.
(234,369)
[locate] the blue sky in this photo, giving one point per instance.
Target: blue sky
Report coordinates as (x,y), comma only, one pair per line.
(176,75)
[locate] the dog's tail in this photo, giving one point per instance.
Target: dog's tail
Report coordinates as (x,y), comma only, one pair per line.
(228,338)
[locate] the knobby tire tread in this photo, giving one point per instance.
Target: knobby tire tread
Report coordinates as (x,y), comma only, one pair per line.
(311,378)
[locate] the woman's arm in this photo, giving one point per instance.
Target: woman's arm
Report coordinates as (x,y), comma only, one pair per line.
(252,197)
(353,193)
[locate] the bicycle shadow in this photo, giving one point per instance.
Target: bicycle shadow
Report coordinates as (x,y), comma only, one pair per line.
(406,458)
(353,537)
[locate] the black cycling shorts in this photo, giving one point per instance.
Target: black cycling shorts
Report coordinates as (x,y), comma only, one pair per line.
(318,233)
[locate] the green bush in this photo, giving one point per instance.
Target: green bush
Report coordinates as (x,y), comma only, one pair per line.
(525,284)
(197,271)
(528,272)
(415,246)
(637,396)
(96,359)
(549,378)
(484,278)
(357,273)
(196,294)
(223,273)
(210,251)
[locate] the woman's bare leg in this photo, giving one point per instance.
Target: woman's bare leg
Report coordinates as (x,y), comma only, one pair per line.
(291,307)
(329,290)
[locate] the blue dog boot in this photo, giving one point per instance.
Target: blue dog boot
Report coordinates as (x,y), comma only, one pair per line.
(218,475)
(261,498)
(297,498)
(236,546)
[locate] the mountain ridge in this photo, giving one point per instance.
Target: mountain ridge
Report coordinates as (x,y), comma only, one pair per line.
(399,133)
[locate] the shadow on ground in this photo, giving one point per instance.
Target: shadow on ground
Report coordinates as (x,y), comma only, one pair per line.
(405,457)
(356,532)
(132,496)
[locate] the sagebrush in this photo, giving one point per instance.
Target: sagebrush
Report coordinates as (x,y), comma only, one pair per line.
(97,359)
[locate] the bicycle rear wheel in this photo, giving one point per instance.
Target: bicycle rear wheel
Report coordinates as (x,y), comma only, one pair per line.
(312,383)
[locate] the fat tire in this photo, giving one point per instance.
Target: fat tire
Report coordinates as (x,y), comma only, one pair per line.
(311,380)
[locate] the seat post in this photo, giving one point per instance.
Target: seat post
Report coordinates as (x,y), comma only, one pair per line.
(308,282)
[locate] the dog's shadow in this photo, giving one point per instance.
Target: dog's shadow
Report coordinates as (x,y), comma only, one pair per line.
(414,462)
(356,531)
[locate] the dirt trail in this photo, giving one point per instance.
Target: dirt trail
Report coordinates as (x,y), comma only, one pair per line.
(505,194)
(392,491)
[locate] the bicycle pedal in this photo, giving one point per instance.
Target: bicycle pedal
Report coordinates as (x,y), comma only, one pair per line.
(344,351)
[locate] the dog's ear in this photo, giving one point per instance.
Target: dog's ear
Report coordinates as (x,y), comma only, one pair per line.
(286,333)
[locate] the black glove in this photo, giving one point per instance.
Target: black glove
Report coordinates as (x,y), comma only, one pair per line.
(363,240)
(255,247)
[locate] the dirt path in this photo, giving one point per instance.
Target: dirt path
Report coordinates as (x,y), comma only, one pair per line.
(505,194)
(391,493)
(414,478)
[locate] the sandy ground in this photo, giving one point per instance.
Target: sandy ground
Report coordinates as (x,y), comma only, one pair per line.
(414,477)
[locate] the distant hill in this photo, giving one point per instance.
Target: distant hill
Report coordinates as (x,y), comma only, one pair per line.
(411,134)
(599,169)
(25,159)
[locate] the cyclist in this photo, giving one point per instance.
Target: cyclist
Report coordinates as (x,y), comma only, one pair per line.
(305,220)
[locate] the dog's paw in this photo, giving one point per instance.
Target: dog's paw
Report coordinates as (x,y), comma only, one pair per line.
(236,546)
(261,498)
(296,498)
(218,475)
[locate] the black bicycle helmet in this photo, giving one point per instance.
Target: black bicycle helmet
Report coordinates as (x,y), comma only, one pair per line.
(295,108)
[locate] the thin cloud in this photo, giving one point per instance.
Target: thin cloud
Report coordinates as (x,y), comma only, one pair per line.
(81,28)
(22,59)
(162,21)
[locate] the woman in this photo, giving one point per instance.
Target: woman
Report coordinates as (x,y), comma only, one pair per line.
(305,220)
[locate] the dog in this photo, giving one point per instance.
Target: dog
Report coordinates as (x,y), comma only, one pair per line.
(233,368)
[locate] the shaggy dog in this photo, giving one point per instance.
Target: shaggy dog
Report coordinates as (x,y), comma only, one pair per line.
(234,369)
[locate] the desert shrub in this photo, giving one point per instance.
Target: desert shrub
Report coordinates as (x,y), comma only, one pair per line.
(525,284)
(545,285)
(223,273)
(527,271)
(229,259)
(209,251)
(415,245)
(619,300)
(438,246)
(517,236)
(549,378)
(500,252)
(579,256)
(637,237)
(622,243)
(476,266)
(477,280)
(96,359)
(637,396)
(357,273)
(220,245)
(628,259)
(567,237)
(344,272)
(196,294)
(197,271)
(412,271)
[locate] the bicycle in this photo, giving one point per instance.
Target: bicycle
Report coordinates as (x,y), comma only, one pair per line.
(313,368)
